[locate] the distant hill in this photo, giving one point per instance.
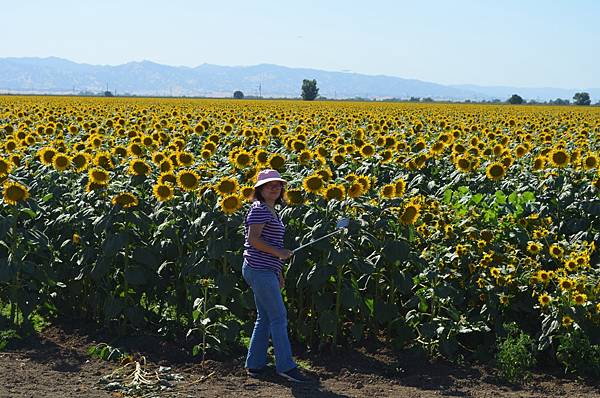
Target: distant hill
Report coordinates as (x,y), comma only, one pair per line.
(60,76)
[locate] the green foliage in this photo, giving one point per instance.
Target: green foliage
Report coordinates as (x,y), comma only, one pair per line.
(238,94)
(582,99)
(310,91)
(107,352)
(515,99)
(577,355)
(515,354)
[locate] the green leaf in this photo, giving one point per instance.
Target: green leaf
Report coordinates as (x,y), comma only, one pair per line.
(135,276)
(396,251)
(328,322)
(115,243)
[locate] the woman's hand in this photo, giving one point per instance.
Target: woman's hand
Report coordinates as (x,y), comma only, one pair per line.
(281,280)
(284,254)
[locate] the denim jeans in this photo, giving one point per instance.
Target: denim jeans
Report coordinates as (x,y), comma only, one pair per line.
(271,320)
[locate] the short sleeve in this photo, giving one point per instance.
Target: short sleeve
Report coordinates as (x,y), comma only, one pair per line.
(258,215)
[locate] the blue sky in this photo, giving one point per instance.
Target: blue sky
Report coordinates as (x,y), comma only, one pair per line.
(518,43)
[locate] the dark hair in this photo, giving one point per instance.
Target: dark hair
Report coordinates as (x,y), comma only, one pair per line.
(257,195)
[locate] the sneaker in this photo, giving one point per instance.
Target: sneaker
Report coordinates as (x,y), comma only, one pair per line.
(294,375)
(255,372)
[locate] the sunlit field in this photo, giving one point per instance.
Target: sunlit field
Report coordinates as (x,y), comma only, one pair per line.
(129,213)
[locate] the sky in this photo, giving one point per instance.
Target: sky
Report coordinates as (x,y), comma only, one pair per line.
(522,43)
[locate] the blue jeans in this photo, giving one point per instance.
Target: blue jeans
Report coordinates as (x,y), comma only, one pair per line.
(271,320)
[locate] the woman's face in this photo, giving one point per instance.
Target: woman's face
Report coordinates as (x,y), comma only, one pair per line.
(271,190)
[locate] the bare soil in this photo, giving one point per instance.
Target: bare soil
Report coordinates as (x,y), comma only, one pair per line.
(56,364)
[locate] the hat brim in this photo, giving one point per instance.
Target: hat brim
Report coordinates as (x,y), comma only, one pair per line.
(262,182)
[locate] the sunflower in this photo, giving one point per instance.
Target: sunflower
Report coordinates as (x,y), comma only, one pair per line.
(294,196)
(539,162)
(103,159)
(559,157)
(355,190)
(305,156)
(580,298)
(411,212)
(590,162)
(367,150)
(98,176)
(119,151)
(61,162)
(125,200)
(261,157)
(14,192)
(276,161)
(388,191)
(567,321)
(313,183)
(399,187)
(247,191)
(338,159)
(185,158)
(5,166)
(166,166)
(163,192)
(533,247)
(335,192)
(365,181)
(139,167)
(227,186)
(135,149)
(463,163)
(167,178)
(544,299)
(242,159)
(47,155)
(206,154)
(566,284)
(158,157)
(495,171)
(188,180)
(230,204)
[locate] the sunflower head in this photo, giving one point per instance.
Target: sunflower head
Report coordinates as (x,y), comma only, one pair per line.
(355,190)
(388,191)
(139,167)
(411,212)
(5,166)
(14,192)
(98,176)
(227,186)
(185,158)
(163,192)
(544,299)
(230,204)
(125,200)
(188,180)
(335,192)
(61,162)
(495,171)
(276,161)
(559,157)
(242,160)
(294,196)
(399,187)
(313,183)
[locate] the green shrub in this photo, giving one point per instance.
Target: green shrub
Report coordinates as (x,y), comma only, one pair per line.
(515,354)
(577,355)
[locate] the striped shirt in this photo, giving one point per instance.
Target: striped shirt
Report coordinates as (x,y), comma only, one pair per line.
(272,234)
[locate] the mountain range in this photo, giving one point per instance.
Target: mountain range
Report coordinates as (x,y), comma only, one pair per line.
(54,75)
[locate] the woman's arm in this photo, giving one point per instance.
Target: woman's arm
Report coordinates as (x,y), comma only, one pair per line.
(254,231)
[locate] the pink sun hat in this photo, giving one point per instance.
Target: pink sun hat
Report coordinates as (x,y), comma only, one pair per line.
(268,175)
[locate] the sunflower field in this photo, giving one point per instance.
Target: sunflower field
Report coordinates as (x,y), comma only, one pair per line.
(129,213)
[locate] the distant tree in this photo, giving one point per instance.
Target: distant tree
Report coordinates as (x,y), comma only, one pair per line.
(582,99)
(238,94)
(559,101)
(309,89)
(414,99)
(515,99)
(108,94)
(427,99)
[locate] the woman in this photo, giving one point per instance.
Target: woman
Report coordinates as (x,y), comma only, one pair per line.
(262,270)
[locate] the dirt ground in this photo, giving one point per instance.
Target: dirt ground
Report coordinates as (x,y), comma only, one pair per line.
(56,364)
